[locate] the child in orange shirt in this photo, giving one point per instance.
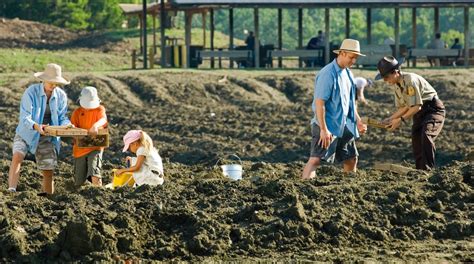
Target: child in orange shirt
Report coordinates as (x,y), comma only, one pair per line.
(91,116)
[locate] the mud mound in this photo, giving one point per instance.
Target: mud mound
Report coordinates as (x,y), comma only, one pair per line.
(197,119)
(16,33)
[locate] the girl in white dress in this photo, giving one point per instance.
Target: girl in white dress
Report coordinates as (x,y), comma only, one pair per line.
(147,166)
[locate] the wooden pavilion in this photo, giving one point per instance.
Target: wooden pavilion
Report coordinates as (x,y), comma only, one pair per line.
(191,7)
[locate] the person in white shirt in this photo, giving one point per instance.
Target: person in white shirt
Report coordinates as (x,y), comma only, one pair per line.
(362,83)
(147,167)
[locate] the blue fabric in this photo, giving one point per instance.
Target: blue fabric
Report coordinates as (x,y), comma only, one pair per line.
(32,108)
(328,86)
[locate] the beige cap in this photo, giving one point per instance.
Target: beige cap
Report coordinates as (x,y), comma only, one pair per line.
(52,73)
(350,45)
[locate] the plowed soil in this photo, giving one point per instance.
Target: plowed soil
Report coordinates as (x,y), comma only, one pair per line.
(198,118)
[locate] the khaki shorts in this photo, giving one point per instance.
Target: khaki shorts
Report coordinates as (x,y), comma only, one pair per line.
(46,156)
(87,166)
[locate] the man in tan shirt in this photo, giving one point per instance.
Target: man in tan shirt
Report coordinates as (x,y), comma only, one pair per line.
(414,98)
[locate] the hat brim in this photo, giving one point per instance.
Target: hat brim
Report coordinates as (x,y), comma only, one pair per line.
(399,64)
(350,51)
(89,104)
(125,148)
(44,77)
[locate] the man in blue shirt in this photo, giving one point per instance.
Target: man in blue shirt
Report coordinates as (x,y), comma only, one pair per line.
(336,123)
(41,105)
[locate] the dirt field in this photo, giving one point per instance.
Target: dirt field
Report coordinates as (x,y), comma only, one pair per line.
(271,214)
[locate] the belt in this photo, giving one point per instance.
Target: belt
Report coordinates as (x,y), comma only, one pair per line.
(434,98)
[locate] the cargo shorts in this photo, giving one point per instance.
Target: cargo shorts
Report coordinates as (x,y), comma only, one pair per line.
(341,148)
(87,166)
(46,156)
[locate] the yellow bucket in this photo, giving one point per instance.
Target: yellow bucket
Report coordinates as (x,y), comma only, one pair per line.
(122,179)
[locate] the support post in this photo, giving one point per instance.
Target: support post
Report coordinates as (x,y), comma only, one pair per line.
(204,15)
(300,34)
(154,33)
(151,57)
(414,33)
(162,34)
(134,59)
(467,37)
(369,26)
(257,39)
(348,23)
(397,32)
(188,16)
(231,34)
(212,34)
(140,22)
(280,39)
(326,34)
(144,36)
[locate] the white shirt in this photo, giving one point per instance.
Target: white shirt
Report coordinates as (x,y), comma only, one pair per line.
(151,171)
(152,160)
(360,82)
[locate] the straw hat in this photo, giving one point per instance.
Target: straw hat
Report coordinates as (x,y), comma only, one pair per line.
(350,45)
(52,73)
(89,98)
(387,65)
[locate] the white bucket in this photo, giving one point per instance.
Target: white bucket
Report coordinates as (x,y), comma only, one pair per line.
(233,171)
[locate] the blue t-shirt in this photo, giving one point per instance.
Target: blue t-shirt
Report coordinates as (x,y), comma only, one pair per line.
(335,86)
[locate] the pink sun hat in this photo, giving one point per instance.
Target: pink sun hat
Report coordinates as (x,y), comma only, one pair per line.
(130,137)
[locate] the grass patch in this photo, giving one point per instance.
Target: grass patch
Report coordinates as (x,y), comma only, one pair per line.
(31,60)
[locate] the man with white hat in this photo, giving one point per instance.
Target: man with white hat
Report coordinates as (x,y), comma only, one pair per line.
(42,104)
(336,123)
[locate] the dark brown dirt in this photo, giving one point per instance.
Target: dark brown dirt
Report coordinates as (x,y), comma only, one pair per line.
(17,33)
(271,214)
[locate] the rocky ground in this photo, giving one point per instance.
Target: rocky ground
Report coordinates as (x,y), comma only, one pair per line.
(199,117)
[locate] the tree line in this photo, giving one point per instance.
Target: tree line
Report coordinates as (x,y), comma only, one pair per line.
(106,14)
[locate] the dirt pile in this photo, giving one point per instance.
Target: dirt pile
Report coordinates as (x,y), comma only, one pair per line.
(17,33)
(198,214)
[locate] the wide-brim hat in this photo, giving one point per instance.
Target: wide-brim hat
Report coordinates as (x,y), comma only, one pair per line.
(387,65)
(89,98)
(52,73)
(349,45)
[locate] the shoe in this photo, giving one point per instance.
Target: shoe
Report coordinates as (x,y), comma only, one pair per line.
(11,189)
(42,194)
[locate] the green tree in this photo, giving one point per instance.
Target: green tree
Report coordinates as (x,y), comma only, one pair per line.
(72,15)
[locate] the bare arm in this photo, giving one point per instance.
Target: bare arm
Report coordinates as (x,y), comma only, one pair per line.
(360,125)
(411,111)
(407,113)
(94,130)
(136,167)
(325,137)
(401,111)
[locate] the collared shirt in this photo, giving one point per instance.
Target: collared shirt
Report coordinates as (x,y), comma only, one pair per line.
(336,87)
(32,109)
(413,90)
